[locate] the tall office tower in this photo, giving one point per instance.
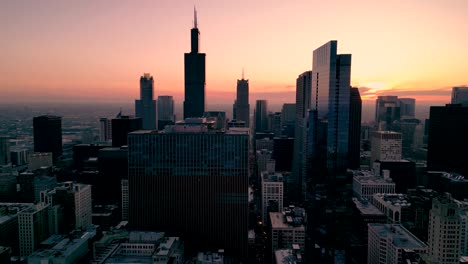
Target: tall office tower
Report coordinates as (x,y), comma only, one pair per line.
(283,149)
(194,101)
(387,113)
(447,144)
(146,106)
(166,108)
(33,228)
(241,105)
(113,168)
(4,151)
(105,129)
(75,198)
(194,181)
(386,146)
(121,126)
(408,135)
(272,193)
(460,95)
(331,97)
(407,107)
(274,123)
(261,116)
(48,134)
(444,232)
(355,109)
(218,117)
(388,242)
(288,119)
(303,97)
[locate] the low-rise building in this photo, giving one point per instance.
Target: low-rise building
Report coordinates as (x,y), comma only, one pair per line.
(395,206)
(288,228)
(366,184)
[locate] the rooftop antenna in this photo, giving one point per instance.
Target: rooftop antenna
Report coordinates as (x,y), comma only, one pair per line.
(195,24)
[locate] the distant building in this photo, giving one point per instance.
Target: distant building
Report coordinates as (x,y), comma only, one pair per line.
(37,160)
(219,117)
(5,157)
(145,107)
(9,227)
(236,123)
(241,104)
(113,168)
(460,95)
(19,156)
(447,144)
(265,161)
(274,123)
(166,109)
(33,228)
(387,113)
(121,126)
(288,228)
(354,142)
(261,118)
(210,258)
(407,107)
(48,134)
(386,145)
(387,243)
(365,185)
(105,129)
(272,193)
(288,114)
(283,152)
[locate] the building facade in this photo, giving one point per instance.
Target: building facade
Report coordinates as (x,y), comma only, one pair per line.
(241,105)
(145,107)
(261,116)
(272,193)
(48,134)
(386,146)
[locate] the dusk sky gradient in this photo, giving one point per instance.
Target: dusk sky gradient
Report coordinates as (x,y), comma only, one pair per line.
(96,50)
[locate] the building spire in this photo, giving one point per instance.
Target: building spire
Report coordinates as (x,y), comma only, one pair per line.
(195,24)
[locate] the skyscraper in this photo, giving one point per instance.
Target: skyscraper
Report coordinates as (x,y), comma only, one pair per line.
(241,105)
(166,108)
(407,107)
(386,146)
(105,129)
(48,134)
(387,113)
(121,126)
(194,181)
(355,109)
(146,106)
(194,102)
(261,118)
(460,95)
(447,143)
(303,97)
(331,98)
(4,151)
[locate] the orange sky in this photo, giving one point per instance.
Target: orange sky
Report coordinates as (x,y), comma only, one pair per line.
(96,50)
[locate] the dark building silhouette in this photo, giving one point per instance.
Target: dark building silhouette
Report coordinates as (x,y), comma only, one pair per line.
(354,143)
(194,102)
(194,182)
(261,116)
(402,172)
(283,149)
(408,130)
(113,168)
(48,134)
(447,142)
(146,106)
(241,109)
(83,152)
(165,109)
(303,97)
(387,113)
(121,126)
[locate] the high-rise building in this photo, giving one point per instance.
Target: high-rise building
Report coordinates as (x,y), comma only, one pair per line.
(460,95)
(194,100)
(283,149)
(261,116)
(241,105)
(9,236)
(194,181)
(444,232)
(303,97)
(48,134)
(387,113)
(121,126)
(388,242)
(355,109)
(4,151)
(33,228)
(331,76)
(36,160)
(407,107)
(408,134)
(272,193)
(166,108)
(288,119)
(113,168)
(105,129)
(386,145)
(75,198)
(146,106)
(274,123)
(447,144)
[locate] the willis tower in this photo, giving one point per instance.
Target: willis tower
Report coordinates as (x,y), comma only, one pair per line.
(194,103)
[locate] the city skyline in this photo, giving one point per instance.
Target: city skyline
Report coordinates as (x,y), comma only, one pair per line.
(81,63)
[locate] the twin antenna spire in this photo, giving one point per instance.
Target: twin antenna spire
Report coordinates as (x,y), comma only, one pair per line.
(195,24)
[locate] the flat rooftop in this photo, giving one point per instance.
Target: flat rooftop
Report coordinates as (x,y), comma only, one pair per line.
(373,180)
(367,208)
(286,256)
(395,199)
(278,221)
(9,211)
(400,237)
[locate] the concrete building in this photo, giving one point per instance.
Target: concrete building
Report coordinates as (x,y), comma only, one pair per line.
(145,107)
(272,193)
(289,256)
(460,95)
(288,228)
(386,145)
(264,144)
(105,129)
(9,235)
(395,206)
(37,160)
(124,188)
(75,198)
(265,162)
(194,180)
(33,228)
(387,243)
(210,258)
(365,185)
(5,156)
(43,183)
